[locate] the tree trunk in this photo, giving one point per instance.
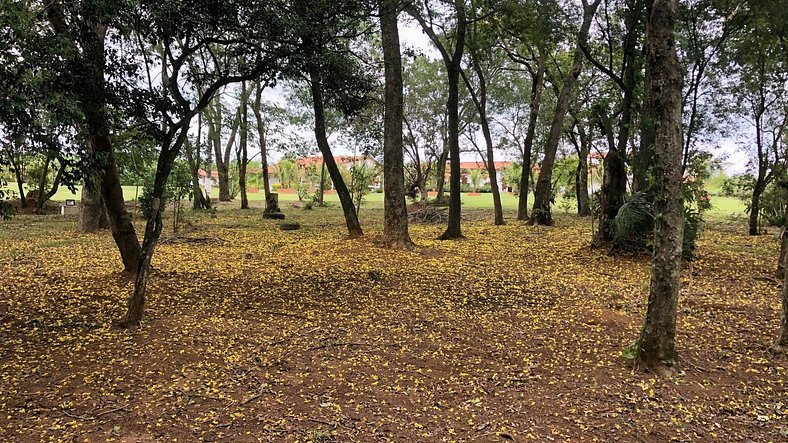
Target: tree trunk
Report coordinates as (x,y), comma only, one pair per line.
(541,213)
(169,152)
(16,165)
(480,101)
(44,197)
(348,208)
(581,184)
(119,219)
(223,156)
(243,158)
(42,182)
(755,207)
(453,230)
(92,211)
(782,340)
(395,216)
(656,344)
(533,117)
(783,246)
(441,179)
(258,115)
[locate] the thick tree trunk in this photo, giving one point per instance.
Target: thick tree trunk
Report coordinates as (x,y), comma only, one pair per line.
(782,340)
(395,216)
(533,117)
(92,211)
(348,208)
(755,204)
(656,344)
(541,213)
(783,246)
(119,219)
(453,230)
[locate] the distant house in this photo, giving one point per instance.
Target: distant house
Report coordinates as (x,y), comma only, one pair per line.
(467,167)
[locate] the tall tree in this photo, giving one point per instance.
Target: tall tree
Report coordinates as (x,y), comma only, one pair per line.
(478,43)
(395,217)
(242,154)
(541,213)
(625,78)
(426,16)
(82,27)
(656,344)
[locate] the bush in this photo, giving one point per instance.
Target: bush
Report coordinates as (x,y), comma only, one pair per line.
(633,226)
(276,186)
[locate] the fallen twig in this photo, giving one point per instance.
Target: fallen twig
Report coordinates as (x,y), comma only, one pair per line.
(95,417)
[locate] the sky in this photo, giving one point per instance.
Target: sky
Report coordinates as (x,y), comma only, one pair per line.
(412,37)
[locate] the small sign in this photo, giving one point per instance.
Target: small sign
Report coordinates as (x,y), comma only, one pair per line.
(71,202)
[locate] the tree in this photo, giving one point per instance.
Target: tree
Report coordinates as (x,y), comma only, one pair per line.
(426,16)
(478,42)
(541,213)
(334,76)
(782,340)
(242,154)
(528,32)
(621,40)
(395,216)
(81,27)
(222,155)
(183,35)
(656,343)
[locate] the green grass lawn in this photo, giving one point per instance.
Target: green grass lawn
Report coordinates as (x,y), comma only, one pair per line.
(724,208)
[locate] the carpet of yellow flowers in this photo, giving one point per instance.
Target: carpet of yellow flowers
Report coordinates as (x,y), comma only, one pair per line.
(256,334)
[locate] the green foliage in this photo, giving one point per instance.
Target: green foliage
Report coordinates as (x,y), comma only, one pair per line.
(773,203)
(633,226)
(178,186)
(634,218)
(475,176)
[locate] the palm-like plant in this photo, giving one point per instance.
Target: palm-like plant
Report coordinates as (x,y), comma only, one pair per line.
(287,171)
(475,177)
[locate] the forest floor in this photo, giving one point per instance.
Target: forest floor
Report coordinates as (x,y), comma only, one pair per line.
(515,333)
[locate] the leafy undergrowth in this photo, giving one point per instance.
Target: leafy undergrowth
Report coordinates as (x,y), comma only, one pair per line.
(252,333)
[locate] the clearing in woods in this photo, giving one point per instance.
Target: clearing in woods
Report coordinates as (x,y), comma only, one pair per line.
(254,334)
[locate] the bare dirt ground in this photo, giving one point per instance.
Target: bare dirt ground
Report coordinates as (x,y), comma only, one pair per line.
(254,334)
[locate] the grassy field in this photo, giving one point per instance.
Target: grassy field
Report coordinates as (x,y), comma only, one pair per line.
(724,208)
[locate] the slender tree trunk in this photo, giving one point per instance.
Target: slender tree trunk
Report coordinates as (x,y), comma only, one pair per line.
(258,115)
(533,117)
(395,217)
(783,244)
(348,208)
(656,344)
(644,156)
(480,101)
(755,207)
(321,191)
(243,160)
(541,213)
(223,156)
(760,183)
(42,182)
(581,184)
(169,152)
(453,230)
(16,165)
(441,179)
(45,196)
